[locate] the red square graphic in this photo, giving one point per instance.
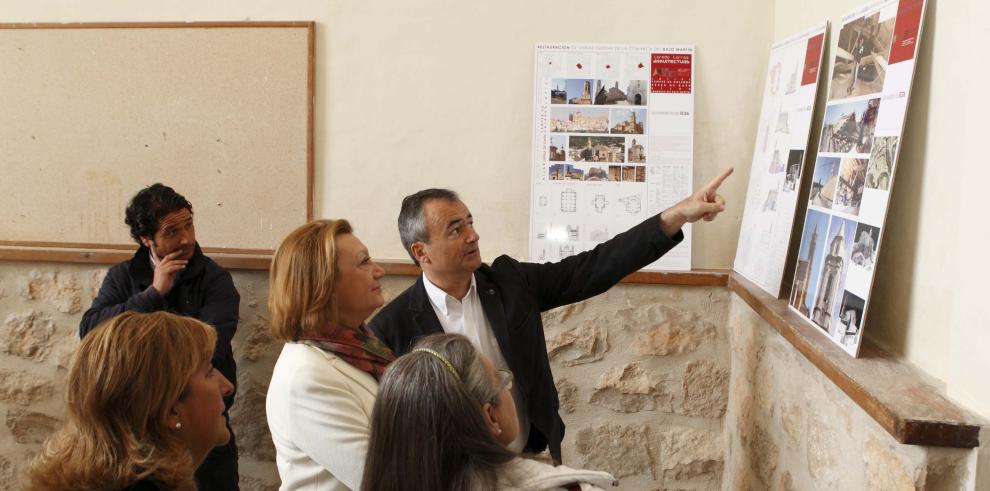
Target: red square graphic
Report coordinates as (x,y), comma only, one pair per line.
(670,73)
(906,30)
(812,60)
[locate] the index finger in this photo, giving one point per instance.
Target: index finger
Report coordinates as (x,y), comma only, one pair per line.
(172,255)
(713,186)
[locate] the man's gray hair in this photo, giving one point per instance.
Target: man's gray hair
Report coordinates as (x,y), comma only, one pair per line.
(412,223)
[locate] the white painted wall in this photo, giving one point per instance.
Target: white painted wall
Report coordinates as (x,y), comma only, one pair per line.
(414,94)
(931,277)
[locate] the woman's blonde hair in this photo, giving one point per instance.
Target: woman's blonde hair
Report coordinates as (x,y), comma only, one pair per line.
(300,293)
(123,382)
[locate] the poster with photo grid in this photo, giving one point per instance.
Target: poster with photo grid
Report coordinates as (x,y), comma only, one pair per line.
(613,137)
(870,84)
(789,93)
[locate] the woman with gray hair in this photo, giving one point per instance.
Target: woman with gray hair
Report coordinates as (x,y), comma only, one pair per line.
(442,419)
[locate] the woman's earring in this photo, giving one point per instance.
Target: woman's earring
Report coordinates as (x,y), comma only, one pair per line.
(498,431)
(178,425)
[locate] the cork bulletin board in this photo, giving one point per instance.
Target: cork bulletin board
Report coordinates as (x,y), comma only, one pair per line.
(92,113)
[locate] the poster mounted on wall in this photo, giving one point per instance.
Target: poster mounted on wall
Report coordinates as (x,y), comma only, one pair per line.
(778,157)
(613,136)
(869,88)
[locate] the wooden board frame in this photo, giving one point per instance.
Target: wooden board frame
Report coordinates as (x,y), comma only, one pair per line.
(60,251)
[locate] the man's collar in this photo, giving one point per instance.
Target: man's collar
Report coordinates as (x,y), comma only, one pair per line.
(439,297)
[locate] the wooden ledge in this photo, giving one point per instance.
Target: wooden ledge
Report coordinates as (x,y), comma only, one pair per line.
(892,392)
(258,260)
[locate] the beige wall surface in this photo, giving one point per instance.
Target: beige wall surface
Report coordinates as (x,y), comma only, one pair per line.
(439,93)
(930,276)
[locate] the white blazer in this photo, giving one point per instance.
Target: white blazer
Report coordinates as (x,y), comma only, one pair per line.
(319,413)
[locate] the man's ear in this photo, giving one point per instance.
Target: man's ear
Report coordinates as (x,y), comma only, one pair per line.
(146,241)
(419,252)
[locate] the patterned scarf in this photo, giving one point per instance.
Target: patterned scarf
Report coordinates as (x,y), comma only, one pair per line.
(358,347)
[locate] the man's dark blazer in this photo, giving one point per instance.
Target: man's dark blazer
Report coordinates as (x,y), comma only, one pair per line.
(513,294)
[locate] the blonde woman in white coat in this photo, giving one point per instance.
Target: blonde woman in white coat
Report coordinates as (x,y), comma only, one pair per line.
(442,420)
(323,286)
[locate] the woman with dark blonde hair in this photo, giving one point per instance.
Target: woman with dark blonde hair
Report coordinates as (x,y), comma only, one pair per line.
(323,286)
(442,421)
(144,407)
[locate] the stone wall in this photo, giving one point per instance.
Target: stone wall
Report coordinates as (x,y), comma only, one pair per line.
(789,427)
(642,371)
(666,387)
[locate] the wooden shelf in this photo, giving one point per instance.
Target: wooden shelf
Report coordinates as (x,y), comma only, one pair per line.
(892,392)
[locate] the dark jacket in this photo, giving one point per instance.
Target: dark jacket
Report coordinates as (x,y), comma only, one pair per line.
(203,290)
(513,294)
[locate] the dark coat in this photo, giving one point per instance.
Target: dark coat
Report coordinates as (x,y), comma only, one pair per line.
(203,290)
(513,294)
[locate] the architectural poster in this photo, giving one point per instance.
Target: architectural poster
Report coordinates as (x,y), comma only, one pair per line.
(613,138)
(854,170)
(778,157)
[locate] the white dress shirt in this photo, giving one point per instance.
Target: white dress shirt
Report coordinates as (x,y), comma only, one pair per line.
(465,316)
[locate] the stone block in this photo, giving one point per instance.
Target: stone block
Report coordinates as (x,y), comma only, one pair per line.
(792,421)
(24,389)
(687,454)
(884,471)
(628,389)
(786,482)
(947,472)
(567,393)
(94,281)
(6,474)
(558,317)
(259,340)
(30,427)
(621,450)
(28,335)
(249,421)
(586,343)
(705,390)
(763,453)
(823,453)
(669,332)
(248,483)
(62,291)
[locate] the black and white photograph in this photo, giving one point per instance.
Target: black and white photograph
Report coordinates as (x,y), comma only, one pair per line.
(864,247)
(881,167)
(850,320)
(795,161)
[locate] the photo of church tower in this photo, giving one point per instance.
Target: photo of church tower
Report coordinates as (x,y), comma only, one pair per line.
(809,261)
(579,91)
(834,266)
